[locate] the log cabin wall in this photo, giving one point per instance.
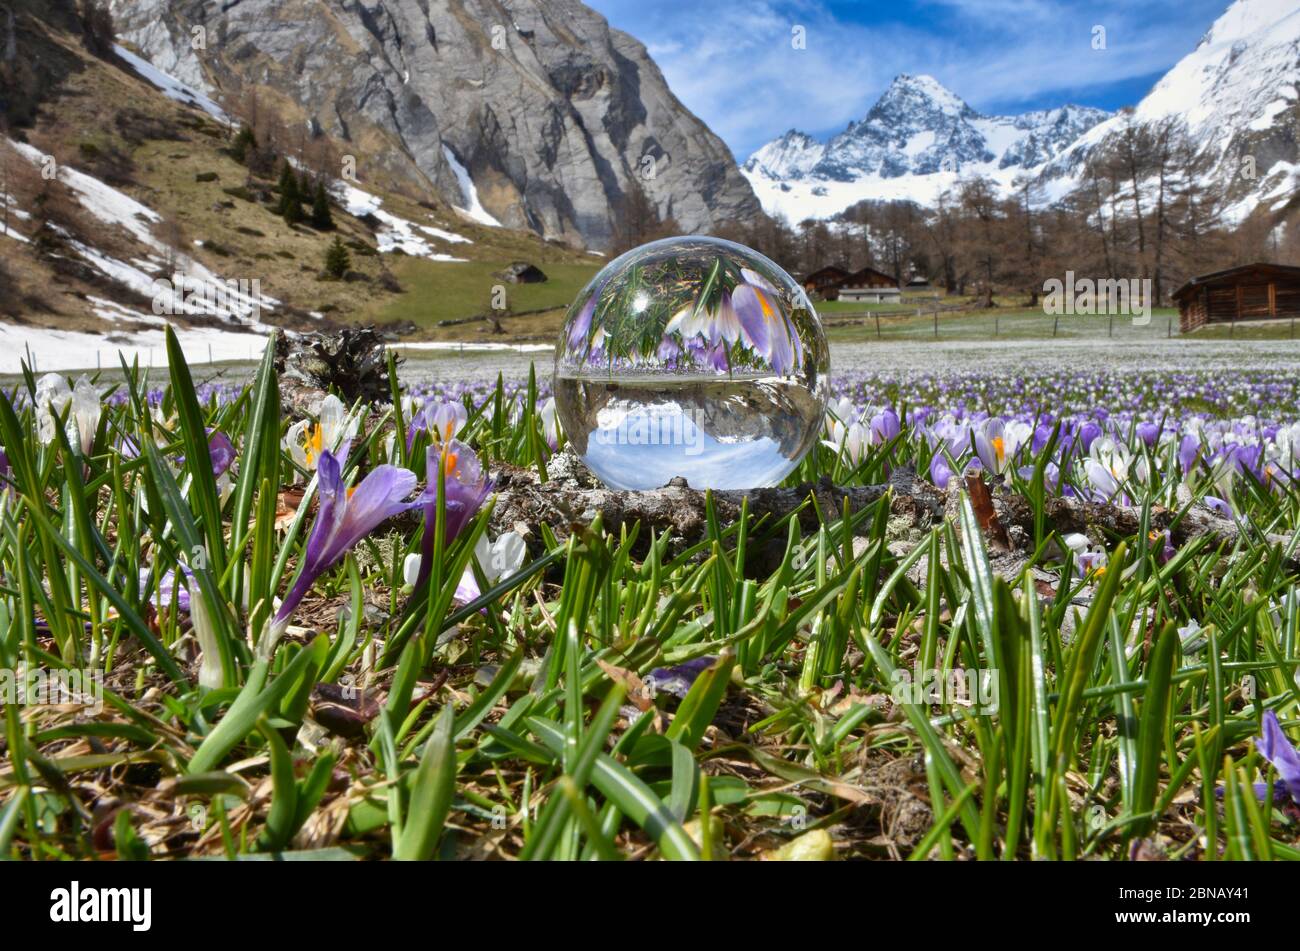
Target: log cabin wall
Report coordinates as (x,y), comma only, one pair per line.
(1252,292)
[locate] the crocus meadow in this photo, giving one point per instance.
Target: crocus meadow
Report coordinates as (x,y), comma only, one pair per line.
(1064,622)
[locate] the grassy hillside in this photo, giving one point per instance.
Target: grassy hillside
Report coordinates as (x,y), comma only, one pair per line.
(438,292)
(101,118)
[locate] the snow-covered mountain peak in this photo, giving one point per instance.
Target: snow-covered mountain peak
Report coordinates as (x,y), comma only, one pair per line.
(1237,93)
(916,137)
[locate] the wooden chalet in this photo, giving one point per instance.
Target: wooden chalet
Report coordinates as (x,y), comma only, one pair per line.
(869,286)
(825,282)
(1249,292)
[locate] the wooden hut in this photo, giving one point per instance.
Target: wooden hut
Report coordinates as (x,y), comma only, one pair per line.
(1249,292)
(824,283)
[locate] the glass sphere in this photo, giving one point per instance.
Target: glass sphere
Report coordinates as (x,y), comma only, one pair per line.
(691,357)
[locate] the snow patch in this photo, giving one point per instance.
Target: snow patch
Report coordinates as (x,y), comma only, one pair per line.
(78,350)
(171,87)
(473,209)
(396,234)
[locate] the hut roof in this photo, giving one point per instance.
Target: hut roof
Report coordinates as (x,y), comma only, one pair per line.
(1231,275)
(869,277)
(830,271)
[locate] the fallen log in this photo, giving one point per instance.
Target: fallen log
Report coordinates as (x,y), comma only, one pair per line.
(571,498)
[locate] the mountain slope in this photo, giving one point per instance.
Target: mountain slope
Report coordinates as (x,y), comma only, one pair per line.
(146,187)
(1238,93)
(915,141)
(554,116)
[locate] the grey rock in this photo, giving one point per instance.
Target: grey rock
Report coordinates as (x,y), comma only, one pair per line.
(555,115)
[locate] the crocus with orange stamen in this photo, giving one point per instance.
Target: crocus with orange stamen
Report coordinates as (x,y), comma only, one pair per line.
(346,516)
(466,487)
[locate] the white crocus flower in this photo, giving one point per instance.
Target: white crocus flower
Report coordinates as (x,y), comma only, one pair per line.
(53,394)
(550,422)
(211,674)
(856,442)
(840,414)
(86,411)
(335,426)
(498,559)
(1108,464)
(446,419)
(851,442)
(1193,636)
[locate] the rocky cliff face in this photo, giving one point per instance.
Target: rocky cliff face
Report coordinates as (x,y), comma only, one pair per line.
(555,116)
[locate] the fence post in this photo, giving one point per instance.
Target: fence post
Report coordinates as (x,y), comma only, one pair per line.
(1110,325)
(1232,328)
(936,321)
(1169,328)
(1056,319)
(997,322)
(878,325)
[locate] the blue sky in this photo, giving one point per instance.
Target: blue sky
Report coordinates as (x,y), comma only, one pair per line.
(732,63)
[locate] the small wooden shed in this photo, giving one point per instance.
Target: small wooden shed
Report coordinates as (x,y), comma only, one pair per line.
(521,272)
(1248,292)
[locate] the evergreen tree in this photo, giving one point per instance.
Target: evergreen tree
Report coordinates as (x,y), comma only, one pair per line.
(322,219)
(244,140)
(290,200)
(337,259)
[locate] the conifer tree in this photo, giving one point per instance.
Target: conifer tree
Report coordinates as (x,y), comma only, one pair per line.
(337,259)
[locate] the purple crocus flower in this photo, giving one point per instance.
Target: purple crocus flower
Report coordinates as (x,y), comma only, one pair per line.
(441,419)
(1088,434)
(222,451)
(6,470)
(172,589)
(1218,506)
(940,471)
(467,486)
(678,680)
(1189,450)
(582,323)
(345,517)
(1274,746)
(885,426)
(1148,432)
(763,324)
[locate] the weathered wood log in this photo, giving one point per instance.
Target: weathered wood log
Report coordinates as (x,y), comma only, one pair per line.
(352,362)
(572,497)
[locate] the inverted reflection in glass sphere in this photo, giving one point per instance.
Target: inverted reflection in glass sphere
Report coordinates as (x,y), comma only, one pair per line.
(695,358)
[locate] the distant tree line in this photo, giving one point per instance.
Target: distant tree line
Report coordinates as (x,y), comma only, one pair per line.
(1141,209)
